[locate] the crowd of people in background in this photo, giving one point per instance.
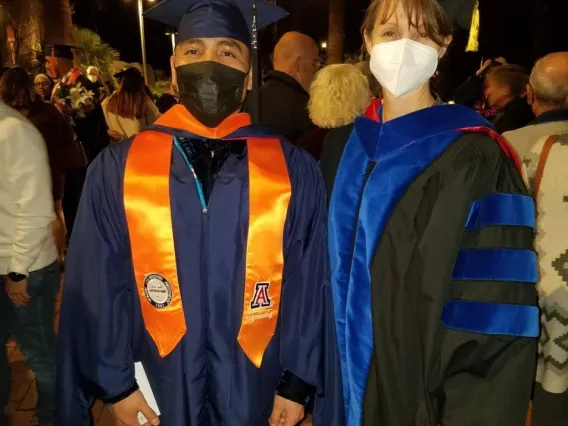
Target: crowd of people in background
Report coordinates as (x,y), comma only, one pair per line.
(48,139)
(70,132)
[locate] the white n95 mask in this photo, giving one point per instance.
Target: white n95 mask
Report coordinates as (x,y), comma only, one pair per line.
(402,66)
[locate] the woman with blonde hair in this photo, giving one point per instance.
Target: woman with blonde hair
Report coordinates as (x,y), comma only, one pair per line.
(431,247)
(338,95)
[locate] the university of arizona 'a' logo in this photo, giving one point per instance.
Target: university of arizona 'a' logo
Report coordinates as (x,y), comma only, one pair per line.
(261,298)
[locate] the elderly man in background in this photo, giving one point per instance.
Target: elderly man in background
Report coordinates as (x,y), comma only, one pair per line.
(284,95)
(93,74)
(96,84)
(543,145)
(547,94)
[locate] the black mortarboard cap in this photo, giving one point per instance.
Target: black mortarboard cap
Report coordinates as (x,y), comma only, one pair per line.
(459,11)
(215,18)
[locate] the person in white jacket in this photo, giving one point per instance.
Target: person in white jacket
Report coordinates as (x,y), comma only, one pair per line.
(28,258)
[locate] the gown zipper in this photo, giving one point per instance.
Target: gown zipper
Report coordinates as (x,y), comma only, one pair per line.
(205,235)
(198,184)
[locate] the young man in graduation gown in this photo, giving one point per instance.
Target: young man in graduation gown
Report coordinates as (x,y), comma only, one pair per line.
(88,123)
(200,250)
(431,240)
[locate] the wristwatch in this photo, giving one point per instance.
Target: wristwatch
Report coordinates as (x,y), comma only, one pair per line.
(15,277)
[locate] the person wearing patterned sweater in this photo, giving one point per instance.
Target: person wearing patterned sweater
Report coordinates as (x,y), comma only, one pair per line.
(550,402)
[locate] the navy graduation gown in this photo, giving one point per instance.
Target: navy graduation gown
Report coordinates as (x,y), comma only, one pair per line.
(207,379)
(433,273)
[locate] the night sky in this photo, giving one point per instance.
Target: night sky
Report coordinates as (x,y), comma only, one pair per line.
(117,23)
(515,29)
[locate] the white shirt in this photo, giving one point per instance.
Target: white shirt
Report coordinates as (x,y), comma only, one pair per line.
(26,202)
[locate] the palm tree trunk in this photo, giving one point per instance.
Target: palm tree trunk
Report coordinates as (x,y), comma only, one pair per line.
(38,22)
(7,37)
(335,43)
(28,16)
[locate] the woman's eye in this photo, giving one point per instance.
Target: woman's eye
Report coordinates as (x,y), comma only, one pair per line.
(423,35)
(388,34)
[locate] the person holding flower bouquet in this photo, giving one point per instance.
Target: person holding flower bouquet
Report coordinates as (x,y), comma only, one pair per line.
(82,108)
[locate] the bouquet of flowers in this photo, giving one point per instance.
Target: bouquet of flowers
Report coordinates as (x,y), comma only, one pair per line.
(73,96)
(79,99)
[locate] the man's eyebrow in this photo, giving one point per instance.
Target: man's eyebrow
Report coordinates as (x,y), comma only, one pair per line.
(191,41)
(230,43)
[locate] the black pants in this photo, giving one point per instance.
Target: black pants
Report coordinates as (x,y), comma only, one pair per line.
(549,409)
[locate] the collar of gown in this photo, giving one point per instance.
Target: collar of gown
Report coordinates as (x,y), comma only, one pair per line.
(178,117)
(379,140)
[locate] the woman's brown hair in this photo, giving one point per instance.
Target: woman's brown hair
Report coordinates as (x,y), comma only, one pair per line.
(16,89)
(424,14)
(131,100)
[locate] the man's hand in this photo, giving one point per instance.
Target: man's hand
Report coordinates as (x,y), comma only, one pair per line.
(286,412)
(17,292)
(126,411)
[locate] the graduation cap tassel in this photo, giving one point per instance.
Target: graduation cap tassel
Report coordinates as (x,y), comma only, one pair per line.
(255,110)
(473,42)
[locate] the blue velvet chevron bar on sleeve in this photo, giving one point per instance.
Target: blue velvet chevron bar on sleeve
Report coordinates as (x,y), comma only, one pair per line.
(499,209)
(496,265)
(491,318)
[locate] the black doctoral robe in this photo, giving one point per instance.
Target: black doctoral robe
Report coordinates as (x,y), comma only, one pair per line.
(433,272)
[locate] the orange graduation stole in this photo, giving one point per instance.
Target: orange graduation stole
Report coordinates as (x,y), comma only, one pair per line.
(149,217)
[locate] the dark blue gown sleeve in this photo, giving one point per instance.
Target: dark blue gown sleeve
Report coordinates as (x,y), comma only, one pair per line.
(95,358)
(307,327)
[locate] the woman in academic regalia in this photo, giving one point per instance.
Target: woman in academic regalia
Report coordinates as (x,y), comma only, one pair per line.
(431,241)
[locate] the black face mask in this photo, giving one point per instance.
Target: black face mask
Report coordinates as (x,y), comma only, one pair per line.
(210,91)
